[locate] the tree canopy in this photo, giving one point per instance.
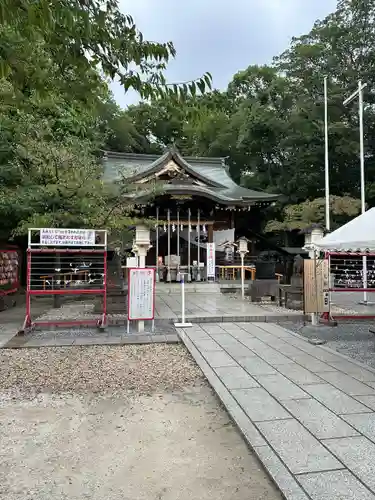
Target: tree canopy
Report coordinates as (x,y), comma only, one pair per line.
(58,56)
(56,111)
(269,122)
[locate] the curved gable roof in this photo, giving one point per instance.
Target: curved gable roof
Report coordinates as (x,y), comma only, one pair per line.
(211,171)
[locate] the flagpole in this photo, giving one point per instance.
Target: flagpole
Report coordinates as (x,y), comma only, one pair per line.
(326,160)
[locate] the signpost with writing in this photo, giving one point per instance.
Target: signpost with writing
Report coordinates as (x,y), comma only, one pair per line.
(210,261)
(141,294)
(67,237)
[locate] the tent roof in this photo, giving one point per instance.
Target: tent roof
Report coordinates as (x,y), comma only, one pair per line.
(358,235)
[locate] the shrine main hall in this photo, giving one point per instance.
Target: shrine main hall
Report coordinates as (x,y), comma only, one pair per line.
(192,202)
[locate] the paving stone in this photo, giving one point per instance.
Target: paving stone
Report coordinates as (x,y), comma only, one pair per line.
(235,377)
(335,485)
(172,338)
(280,387)
(280,474)
(354,370)
(334,399)
(217,359)
(347,384)
(275,330)
(318,419)
(225,340)
(367,400)
(272,356)
(287,349)
(158,338)
(247,429)
(358,455)
(299,374)
(196,334)
(240,335)
(297,448)
(207,345)
(213,328)
(137,339)
(259,405)
(324,355)
(312,364)
(253,343)
(364,423)
(238,350)
(256,366)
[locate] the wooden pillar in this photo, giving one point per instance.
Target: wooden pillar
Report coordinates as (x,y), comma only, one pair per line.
(210,233)
(231,223)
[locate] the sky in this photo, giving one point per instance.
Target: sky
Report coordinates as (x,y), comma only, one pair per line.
(220,36)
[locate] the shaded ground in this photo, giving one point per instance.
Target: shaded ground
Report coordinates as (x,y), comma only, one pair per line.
(129,423)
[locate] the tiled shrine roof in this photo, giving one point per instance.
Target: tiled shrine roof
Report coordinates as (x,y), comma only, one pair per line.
(207,177)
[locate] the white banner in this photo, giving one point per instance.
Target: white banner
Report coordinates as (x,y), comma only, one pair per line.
(67,237)
(210,260)
(141,294)
(223,236)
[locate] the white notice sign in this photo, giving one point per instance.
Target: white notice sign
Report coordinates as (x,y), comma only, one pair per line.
(210,260)
(67,237)
(141,294)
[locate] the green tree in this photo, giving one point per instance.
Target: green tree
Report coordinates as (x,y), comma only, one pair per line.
(303,215)
(92,34)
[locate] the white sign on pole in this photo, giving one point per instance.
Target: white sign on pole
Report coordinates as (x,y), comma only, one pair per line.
(210,260)
(67,237)
(141,294)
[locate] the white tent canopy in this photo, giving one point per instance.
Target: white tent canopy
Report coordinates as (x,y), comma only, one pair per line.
(358,235)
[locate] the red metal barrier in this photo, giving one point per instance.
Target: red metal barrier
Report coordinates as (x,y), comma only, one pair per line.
(66,262)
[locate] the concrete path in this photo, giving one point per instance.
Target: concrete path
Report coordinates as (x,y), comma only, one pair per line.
(307,411)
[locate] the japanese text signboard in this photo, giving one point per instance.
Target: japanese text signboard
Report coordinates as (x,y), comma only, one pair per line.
(67,237)
(141,294)
(210,260)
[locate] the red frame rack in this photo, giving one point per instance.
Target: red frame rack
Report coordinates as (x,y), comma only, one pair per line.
(35,249)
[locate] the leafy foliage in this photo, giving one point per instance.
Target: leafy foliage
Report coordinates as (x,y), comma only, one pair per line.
(56,112)
(303,215)
(269,122)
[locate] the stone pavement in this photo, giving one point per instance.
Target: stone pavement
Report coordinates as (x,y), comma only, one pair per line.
(307,411)
(201,307)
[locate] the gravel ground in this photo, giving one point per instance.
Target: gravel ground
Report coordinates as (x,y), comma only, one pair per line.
(97,369)
(118,423)
(350,338)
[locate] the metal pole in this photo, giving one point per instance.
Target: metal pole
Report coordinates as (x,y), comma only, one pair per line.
(328,225)
(359,92)
(157,245)
(189,235)
(169,247)
(183,300)
(178,276)
(199,245)
(362,164)
(242,276)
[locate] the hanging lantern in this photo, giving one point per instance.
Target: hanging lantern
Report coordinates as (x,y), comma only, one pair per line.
(181,227)
(204,228)
(173,228)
